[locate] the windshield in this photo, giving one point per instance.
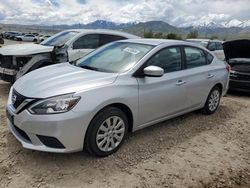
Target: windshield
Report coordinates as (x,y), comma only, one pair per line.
(59,39)
(116,57)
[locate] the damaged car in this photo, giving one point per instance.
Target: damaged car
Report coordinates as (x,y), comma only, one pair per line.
(237,55)
(66,46)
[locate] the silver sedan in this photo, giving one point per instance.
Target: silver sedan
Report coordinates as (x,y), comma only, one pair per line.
(119,88)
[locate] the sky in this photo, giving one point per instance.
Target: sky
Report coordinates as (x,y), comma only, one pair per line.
(175,12)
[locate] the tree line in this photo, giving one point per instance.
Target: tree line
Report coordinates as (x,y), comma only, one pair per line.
(192,34)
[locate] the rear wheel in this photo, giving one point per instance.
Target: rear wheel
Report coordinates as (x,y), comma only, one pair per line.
(213,101)
(106,132)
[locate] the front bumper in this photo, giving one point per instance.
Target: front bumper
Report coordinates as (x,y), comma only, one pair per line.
(67,129)
(7,75)
(239,85)
(7,71)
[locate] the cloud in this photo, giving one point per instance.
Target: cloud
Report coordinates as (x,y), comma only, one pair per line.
(179,13)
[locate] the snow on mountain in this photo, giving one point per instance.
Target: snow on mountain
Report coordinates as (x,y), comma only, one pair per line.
(213,24)
(237,23)
(233,23)
(245,24)
(207,24)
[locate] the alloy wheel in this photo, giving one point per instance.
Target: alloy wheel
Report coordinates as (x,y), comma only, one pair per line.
(110,134)
(213,101)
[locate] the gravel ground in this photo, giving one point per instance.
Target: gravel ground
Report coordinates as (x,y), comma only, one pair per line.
(193,150)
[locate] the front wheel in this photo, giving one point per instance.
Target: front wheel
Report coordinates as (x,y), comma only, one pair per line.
(106,132)
(213,101)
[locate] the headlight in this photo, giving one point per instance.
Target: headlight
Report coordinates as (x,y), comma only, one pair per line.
(54,105)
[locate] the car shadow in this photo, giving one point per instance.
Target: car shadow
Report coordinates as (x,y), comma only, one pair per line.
(238,93)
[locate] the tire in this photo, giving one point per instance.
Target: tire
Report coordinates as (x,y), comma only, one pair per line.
(99,128)
(213,101)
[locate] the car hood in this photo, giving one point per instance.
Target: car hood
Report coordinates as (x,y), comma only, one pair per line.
(60,79)
(237,49)
(25,49)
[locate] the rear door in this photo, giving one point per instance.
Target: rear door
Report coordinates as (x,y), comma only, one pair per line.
(199,75)
(166,95)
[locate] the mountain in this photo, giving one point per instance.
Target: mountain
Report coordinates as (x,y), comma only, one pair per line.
(106,25)
(155,26)
(231,29)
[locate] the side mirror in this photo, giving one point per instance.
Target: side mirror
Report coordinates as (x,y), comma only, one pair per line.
(153,71)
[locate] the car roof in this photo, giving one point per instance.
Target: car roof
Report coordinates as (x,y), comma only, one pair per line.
(103,31)
(203,40)
(157,42)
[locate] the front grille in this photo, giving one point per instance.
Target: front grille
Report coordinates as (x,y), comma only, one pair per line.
(240,76)
(22,133)
(6,62)
(241,68)
(17,99)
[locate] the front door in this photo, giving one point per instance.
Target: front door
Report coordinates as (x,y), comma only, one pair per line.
(162,96)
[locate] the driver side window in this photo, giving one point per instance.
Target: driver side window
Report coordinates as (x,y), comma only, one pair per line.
(169,59)
(87,42)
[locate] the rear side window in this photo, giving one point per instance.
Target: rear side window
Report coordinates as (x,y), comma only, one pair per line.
(104,39)
(194,57)
(87,42)
(211,46)
(210,58)
(169,59)
(219,46)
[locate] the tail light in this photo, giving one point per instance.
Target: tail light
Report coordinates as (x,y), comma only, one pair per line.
(228,68)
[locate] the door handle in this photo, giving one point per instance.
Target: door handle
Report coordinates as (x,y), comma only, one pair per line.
(210,76)
(180,82)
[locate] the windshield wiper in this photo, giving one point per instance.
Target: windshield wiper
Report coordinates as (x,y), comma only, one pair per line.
(89,67)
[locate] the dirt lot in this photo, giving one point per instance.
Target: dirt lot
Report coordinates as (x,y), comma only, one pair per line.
(190,151)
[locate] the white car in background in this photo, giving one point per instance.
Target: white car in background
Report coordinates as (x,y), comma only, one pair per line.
(41,38)
(66,46)
(215,46)
(26,37)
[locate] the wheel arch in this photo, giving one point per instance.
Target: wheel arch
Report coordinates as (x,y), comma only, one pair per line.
(124,108)
(220,86)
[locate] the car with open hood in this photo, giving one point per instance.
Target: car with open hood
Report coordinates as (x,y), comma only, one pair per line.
(70,45)
(237,53)
(119,88)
